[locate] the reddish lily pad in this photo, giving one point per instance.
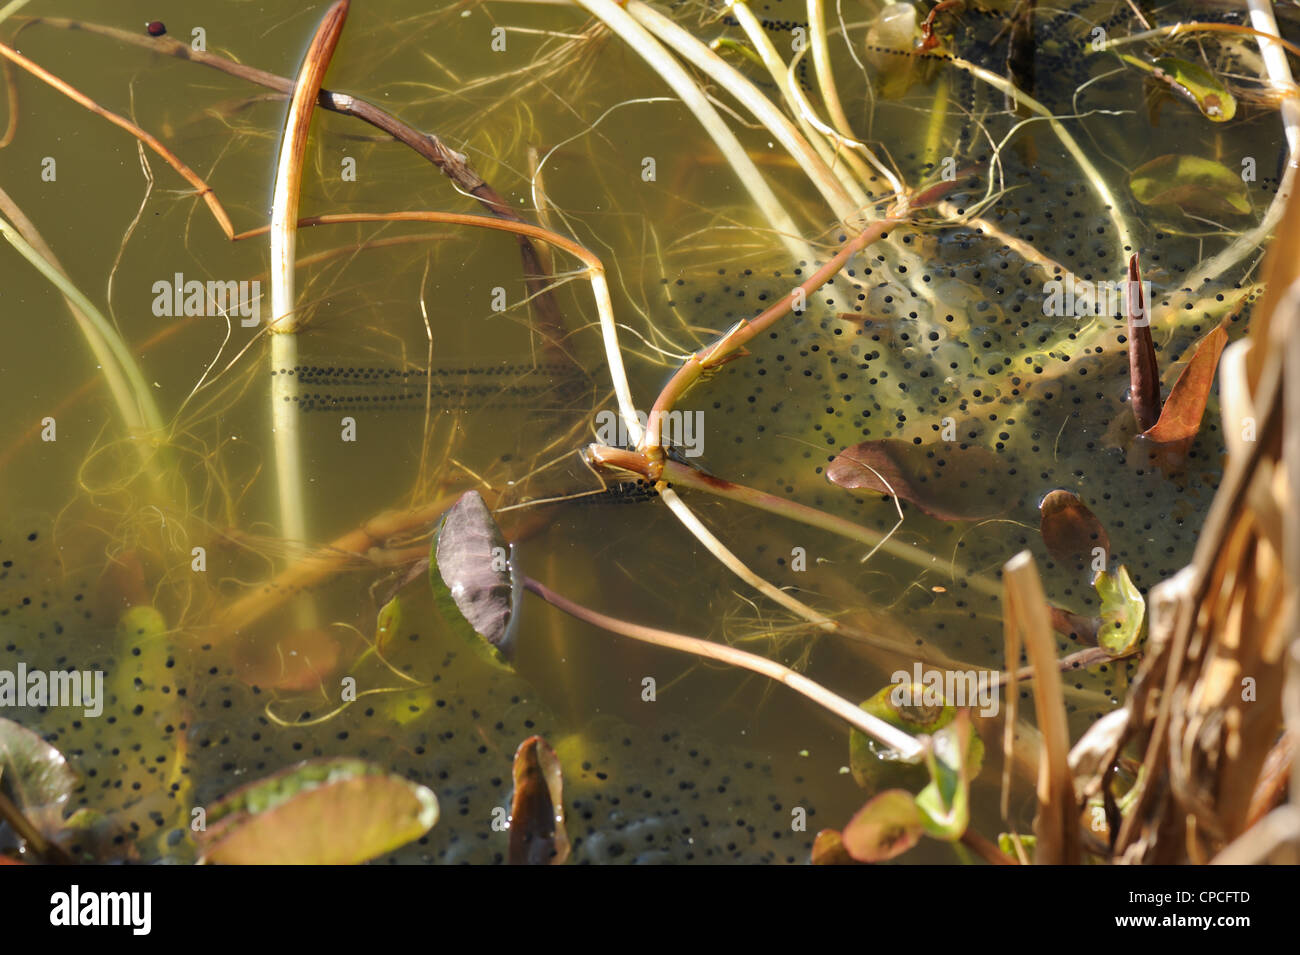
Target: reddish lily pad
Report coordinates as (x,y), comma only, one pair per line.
(886,827)
(949,481)
(537,832)
(1071,531)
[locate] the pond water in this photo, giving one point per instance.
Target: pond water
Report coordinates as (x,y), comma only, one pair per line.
(423,371)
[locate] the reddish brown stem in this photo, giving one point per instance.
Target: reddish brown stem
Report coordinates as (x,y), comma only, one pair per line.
(729,345)
(1144,369)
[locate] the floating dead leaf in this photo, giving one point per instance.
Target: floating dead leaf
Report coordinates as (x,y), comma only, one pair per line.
(1180,418)
(1190,184)
(1071,531)
(321,812)
(886,827)
(537,831)
(952,482)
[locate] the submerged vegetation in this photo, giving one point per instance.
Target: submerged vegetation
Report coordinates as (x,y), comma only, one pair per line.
(928,359)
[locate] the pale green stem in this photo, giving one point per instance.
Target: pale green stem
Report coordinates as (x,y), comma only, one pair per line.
(132,394)
(776,68)
(830,95)
(663,63)
(726,76)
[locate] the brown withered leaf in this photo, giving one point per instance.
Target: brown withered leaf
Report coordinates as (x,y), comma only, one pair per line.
(537,832)
(1180,418)
(1070,530)
(949,481)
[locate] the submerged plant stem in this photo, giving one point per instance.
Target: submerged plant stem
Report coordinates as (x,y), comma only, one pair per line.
(662,62)
(284,318)
(729,345)
(855,716)
(193,178)
(683,476)
(127,384)
(704,59)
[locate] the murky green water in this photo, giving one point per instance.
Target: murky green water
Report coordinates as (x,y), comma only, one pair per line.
(449,393)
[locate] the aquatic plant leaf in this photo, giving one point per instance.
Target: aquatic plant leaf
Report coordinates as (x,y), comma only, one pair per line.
(870,762)
(1070,530)
(1180,418)
(886,827)
(33,772)
(828,849)
(323,812)
(1193,83)
(388,623)
(1191,184)
(1123,612)
(951,482)
(472,577)
(537,832)
(945,803)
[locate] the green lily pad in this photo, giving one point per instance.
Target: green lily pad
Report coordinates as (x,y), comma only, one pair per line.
(325,812)
(1123,612)
(1190,184)
(872,763)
